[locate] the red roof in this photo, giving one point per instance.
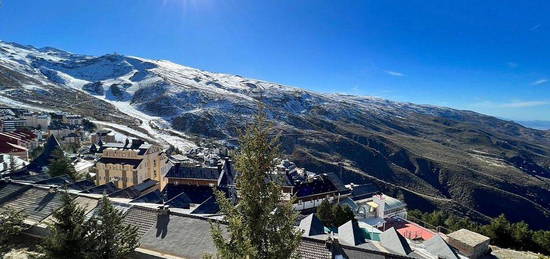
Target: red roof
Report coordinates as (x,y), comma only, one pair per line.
(6,147)
(409,229)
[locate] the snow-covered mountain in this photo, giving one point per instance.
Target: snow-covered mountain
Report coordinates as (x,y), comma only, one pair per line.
(434,157)
(165,92)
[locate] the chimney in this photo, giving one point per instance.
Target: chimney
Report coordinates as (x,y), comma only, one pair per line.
(163,210)
(52,189)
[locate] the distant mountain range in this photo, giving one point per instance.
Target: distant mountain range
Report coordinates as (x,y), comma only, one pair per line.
(541,125)
(432,157)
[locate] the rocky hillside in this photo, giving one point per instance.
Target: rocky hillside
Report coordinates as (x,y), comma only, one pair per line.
(433,157)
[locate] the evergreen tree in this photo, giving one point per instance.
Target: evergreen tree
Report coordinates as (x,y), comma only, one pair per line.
(69,233)
(325,214)
(261,225)
(11,225)
(334,215)
(338,214)
(542,239)
(499,231)
(112,238)
(521,235)
(61,165)
(347,214)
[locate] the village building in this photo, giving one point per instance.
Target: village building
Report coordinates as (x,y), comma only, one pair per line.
(469,243)
(10,124)
(18,143)
(72,119)
(37,121)
(129,163)
(103,135)
(60,130)
(14,150)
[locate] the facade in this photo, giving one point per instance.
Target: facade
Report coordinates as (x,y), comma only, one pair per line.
(12,124)
(103,135)
(61,130)
(72,119)
(18,143)
(72,138)
(310,189)
(380,206)
(130,163)
(23,138)
(38,121)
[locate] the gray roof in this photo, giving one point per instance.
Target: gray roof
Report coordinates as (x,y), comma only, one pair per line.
(122,207)
(438,247)
(314,249)
(137,190)
(311,225)
(193,172)
(180,235)
(395,242)
(36,203)
(142,218)
(350,233)
(10,190)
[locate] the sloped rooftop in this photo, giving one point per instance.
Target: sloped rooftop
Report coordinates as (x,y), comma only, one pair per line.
(36,203)
(107,188)
(438,247)
(135,191)
(311,225)
(173,235)
(9,190)
(193,172)
(142,218)
(314,249)
(395,242)
(44,159)
(210,206)
(82,185)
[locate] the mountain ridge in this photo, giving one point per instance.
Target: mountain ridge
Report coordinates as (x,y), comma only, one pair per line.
(434,157)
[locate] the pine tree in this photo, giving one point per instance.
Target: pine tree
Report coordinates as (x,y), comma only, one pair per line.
(325,214)
(61,165)
(521,234)
(11,225)
(542,239)
(112,238)
(261,225)
(69,233)
(499,231)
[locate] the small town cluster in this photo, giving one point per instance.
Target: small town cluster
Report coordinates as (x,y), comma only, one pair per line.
(169,195)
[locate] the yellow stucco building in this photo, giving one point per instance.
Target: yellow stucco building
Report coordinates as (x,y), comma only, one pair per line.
(130,163)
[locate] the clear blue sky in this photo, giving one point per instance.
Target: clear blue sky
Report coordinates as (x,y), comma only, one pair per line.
(488,56)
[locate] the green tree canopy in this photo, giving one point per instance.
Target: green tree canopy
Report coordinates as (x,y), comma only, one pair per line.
(261,224)
(69,233)
(112,238)
(11,225)
(61,165)
(334,215)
